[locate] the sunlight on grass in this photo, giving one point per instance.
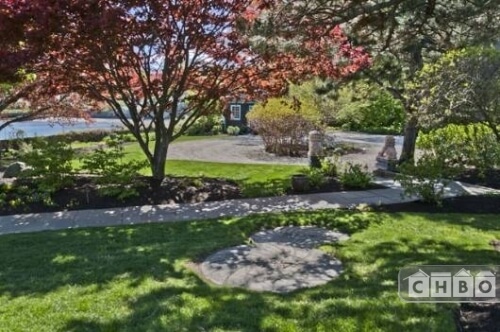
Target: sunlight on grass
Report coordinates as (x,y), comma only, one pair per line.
(257,180)
(135,278)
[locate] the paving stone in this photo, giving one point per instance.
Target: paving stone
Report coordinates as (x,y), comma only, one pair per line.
(302,237)
(279,261)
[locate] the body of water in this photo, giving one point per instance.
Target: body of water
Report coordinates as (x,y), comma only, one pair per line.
(38,128)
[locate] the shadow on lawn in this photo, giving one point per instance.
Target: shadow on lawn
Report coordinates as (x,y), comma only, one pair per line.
(483,222)
(371,302)
(44,262)
(172,309)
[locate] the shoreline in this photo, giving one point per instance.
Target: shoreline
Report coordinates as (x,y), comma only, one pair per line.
(57,126)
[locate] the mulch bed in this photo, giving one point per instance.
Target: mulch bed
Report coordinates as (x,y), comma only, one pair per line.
(490,179)
(85,194)
(333,185)
(463,204)
(478,317)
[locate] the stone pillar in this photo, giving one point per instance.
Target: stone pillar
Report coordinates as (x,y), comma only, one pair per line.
(315,148)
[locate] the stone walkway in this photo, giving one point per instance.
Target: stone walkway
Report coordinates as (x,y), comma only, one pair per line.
(280,261)
(37,222)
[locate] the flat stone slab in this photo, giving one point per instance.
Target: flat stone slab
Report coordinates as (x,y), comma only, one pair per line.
(279,261)
(299,236)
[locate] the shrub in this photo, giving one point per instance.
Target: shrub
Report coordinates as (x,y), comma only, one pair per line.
(51,164)
(315,177)
(115,174)
(367,108)
(217,129)
(426,178)
(205,125)
(233,130)
(354,176)
(284,125)
(329,167)
(461,146)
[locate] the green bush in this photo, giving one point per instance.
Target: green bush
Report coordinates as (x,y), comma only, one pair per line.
(115,174)
(233,130)
(315,176)
(217,129)
(355,177)
(205,125)
(18,141)
(329,167)
(367,108)
(4,189)
(462,146)
(427,178)
(51,164)
(284,124)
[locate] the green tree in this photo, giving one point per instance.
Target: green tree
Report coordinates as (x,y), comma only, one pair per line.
(462,87)
(399,34)
(149,61)
(364,106)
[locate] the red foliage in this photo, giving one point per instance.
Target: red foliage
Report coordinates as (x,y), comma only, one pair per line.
(153,55)
(132,49)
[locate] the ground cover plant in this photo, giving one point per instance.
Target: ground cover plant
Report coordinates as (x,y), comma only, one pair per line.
(113,173)
(187,182)
(138,278)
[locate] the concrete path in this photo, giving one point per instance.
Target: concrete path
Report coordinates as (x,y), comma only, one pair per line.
(37,222)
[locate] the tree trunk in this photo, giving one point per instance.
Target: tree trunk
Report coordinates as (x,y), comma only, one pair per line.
(410,139)
(159,159)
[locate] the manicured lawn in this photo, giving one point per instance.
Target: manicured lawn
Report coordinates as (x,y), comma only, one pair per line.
(257,180)
(136,278)
(133,147)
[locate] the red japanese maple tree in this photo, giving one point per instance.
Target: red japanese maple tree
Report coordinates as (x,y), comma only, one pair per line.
(161,64)
(23,44)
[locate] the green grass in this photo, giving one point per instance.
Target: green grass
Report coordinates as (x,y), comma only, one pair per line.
(256,180)
(136,278)
(133,147)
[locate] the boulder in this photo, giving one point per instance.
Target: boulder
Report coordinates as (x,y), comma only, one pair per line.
(14,170)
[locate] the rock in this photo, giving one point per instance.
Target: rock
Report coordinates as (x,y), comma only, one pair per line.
(14,170)
(280,261)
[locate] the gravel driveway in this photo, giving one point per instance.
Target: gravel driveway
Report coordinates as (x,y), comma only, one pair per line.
(245,149)
(250,149)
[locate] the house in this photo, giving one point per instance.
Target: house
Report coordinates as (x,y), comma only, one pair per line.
(236,113)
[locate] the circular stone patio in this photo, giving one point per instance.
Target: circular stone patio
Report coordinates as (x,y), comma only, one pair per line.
(280,260)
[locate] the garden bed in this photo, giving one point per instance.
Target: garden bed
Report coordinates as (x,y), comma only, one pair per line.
(332,184)
(85,194)
(485,204)
(490,178)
